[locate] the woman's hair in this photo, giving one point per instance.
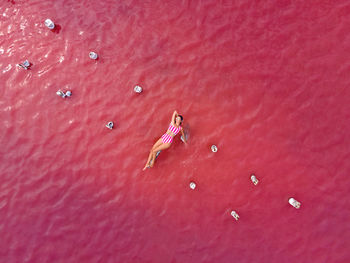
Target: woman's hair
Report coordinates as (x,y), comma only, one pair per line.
(181,118)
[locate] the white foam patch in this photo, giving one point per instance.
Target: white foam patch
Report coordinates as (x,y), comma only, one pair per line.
(3,204)
(19,103)
(81,32)
(47,85)
(2,50)
(23,26)
(7,68)
(36,115)
(61,58)
(6,124)
(8,108)
(66,46)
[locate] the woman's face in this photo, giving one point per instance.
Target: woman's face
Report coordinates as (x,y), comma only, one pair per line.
(178,120)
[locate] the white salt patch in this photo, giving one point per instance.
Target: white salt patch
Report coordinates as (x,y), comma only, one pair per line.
(1,51)
(23,25)
(61,58)
(66,46)
(81,32)
(35,115)
(19,104)
(7,68)
(6,124)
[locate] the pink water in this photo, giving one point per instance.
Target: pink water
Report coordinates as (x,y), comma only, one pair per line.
(265,81)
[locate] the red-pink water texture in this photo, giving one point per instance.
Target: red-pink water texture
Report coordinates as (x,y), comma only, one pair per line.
(265,81)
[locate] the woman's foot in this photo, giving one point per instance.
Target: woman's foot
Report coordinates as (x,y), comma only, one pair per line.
(151,163)
(146,166)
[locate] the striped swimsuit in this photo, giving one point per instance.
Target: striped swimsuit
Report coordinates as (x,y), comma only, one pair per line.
(166,138)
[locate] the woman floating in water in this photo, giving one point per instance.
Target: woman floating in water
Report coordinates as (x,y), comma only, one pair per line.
(165,141)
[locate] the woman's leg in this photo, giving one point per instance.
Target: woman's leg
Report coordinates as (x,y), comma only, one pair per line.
(149,158)
(159,142)
(163,146)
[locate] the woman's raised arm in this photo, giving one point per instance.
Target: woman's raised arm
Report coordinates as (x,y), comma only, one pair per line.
(173,117)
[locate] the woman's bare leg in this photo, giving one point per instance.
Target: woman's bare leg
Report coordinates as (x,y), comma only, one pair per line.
(161,147)
(153,159)
(150,156)
(159,142)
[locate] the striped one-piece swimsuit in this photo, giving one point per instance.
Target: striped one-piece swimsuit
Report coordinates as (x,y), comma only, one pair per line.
(166,138)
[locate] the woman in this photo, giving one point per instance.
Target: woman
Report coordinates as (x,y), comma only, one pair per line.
(165,141)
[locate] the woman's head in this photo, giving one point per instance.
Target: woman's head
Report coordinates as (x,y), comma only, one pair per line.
(178,120)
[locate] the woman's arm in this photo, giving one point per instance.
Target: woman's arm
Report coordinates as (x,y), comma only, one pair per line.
(183,136)
(173,118)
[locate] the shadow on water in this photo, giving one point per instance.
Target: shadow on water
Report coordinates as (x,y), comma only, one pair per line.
(30,65)
(57,29)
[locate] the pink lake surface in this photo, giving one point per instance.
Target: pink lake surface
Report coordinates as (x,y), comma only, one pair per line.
(265,81)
